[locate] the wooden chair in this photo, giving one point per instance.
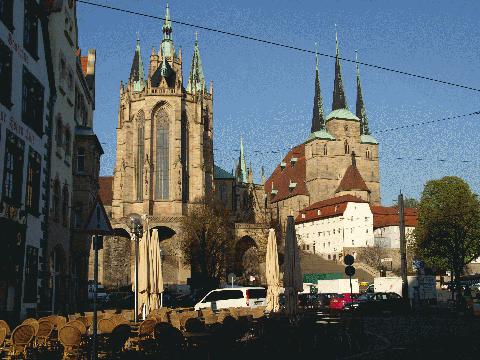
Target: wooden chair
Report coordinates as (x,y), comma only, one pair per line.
(57,320)
(258,313)
(21,337)
(211,319)
(146,328)
(79,325)
(206,311)
(174,320)
(118,319)
(105,326)
(33,322)
(44,332)
(119,336)
(71,338)
(3,324)
(85,321)
(3,336)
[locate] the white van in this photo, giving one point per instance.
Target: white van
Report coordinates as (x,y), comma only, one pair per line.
(233,297)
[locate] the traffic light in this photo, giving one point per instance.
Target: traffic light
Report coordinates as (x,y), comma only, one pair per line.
(349,269)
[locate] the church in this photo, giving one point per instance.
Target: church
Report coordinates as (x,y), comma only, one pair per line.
(165,163)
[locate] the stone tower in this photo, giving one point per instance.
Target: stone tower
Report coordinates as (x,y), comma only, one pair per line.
(164,134)
(333,140)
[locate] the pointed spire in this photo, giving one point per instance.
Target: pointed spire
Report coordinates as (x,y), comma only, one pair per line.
(339,99)
(262,176)
(360,106)
(250,174)
(166,47)
(137,72)
(318,121)
(242,165)
(196,80)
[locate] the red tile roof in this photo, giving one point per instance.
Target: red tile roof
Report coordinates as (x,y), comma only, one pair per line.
(293,172)
(388,216)
(328,208)
(352,180)
(105,190)
(84,63)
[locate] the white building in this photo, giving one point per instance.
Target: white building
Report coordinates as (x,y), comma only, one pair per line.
(26,95)
(328,226)
(386,224)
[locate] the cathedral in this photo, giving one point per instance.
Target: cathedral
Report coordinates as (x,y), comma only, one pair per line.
(165,163)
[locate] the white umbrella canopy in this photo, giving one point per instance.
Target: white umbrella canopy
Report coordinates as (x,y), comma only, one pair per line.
(272,273)
(143,272)
(292,278)
(155,271)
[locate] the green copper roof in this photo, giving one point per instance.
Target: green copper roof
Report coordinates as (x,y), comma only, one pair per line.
(219,173)
(343,114)
(137,72)
(196,80)
(360,106)
(339,100)
(321,134)
(368,139)
(167,40)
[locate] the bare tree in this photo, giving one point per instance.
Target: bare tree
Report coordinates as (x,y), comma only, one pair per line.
(206,239)
(372,256)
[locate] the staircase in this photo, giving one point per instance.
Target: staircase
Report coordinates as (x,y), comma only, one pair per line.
(315,264)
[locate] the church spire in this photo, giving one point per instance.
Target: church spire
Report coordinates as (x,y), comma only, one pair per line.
(242,165)
(318,122)
(137,72)
(339,99)
(196,80)
(166,47)
(360,110)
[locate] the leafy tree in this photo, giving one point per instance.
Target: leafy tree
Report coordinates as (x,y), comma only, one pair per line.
(408,203)
(206,240)
(448,232)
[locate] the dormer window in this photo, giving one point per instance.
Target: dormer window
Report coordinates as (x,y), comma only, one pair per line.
(293,161)
(292,185)
(273,191)
(319,212)
(283,165)
(303,216)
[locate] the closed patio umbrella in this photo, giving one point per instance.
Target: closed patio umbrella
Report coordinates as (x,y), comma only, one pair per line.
(155,288)
(292,277)
(272,273)
(143,272)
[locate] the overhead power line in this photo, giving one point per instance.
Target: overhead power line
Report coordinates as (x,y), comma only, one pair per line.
(286,46)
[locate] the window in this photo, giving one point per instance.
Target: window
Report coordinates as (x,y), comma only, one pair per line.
(140,154)
(351,231)
(6,13)
(59,133)
(329,257)
(367,154)
(33,182)
(31,275)
(81,114)
(81,160)
(325,151)
(366,230)
(5,73)
(308,247)
(65,202)
(56,200)
(32,102)
(162,161)
(333,231)
(346,147)
(353,242)
(70,79)
(329,244)
(13,170)
(63,68)
(77,216)
(68,144)
(30,31)
(323,244)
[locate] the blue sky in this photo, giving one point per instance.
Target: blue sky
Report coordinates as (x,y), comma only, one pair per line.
(265,93)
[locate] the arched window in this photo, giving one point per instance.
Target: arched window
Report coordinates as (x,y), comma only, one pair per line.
(346,147)
(368,154)
(162,156)
(56,200)
(325,152)
(65,202)
(140,154)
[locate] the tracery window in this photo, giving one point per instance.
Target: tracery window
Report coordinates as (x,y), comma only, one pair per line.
(162,156)
(140,154)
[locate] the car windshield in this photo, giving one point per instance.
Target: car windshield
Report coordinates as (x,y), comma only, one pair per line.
(364,297)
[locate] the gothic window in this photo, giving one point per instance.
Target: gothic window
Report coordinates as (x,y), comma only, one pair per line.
(368,154)
(68,144)
(56,200)
(32,102)
(346,147)
(5,73)
(33,182)
(65,202)
(59,133)
(30,31)
(325,152)
(6,13)
(81,160)
(140,154)
(13,170)
(162,156)
(77,216)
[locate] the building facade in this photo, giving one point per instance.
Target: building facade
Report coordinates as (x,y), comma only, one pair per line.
(315,170)
(27,93)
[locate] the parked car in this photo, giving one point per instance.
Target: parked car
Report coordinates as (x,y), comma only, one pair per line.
(377,303)
(339,301)
(233,297)
(326,298)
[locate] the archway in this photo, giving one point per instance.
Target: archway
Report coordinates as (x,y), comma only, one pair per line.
(246,258)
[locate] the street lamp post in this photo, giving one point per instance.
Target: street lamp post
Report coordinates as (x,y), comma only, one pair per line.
(136,230)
